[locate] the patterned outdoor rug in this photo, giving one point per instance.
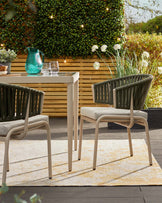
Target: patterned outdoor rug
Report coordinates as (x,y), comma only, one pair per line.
(28,164)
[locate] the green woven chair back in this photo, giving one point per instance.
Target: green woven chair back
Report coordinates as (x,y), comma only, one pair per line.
(139,84)
(14,100)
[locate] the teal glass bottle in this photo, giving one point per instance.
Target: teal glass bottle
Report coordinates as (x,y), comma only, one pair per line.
(34,63)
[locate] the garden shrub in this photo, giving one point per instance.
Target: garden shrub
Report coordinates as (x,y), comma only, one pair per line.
(151,26)
(152,43)
(135,28)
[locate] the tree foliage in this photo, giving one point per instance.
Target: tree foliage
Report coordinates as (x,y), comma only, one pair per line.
(151,26)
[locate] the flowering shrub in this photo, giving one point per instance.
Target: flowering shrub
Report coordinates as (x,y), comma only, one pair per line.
(154,98)
(152,44)
(7,55)
(123,64)
(150,66)
(160,70)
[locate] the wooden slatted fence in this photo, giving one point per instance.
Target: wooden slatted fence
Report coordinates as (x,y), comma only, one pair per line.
(55,103)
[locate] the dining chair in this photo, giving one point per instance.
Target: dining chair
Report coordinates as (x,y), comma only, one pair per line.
(20,112)
(127,95)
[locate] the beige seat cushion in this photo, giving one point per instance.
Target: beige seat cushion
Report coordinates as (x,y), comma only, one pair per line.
(6,126)
(96,112)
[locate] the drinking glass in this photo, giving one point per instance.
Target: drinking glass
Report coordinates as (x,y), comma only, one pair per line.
(46,68)
(54,68)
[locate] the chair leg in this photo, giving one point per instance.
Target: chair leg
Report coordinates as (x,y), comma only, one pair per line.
(130,142)
(148,143)
(95,146)
(80,138)
(5,162)
(8,163)
(49,151)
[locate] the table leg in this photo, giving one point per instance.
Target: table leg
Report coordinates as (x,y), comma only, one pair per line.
(70,122)
(76,98)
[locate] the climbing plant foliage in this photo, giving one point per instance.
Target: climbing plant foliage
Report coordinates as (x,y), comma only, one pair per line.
(64,27)
(18,32)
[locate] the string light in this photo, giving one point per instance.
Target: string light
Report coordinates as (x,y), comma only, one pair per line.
(64,60)
(82,26)
(107,9)
(51,16)
(2,45)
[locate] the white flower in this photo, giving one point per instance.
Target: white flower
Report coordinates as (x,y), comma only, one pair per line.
(160,54)
(136,71)
(144,63)
(7,55)
(145,54)
(94,48)
(160,70)
(103,48)
(117,46)
(96,65)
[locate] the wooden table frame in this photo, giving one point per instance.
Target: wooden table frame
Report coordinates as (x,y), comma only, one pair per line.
(72,81)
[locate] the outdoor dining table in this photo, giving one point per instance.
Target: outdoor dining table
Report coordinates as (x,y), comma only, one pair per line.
(72,81)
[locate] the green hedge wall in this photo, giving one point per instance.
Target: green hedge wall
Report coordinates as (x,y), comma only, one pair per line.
(64,27)
(17,33)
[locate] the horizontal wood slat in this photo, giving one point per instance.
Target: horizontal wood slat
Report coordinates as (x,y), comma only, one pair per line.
(55,103)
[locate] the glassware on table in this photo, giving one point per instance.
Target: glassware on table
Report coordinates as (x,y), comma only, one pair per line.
(46,68)
(54,68)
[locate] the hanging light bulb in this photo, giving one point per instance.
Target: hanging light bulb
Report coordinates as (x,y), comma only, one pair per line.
(107,9)
(82,26)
